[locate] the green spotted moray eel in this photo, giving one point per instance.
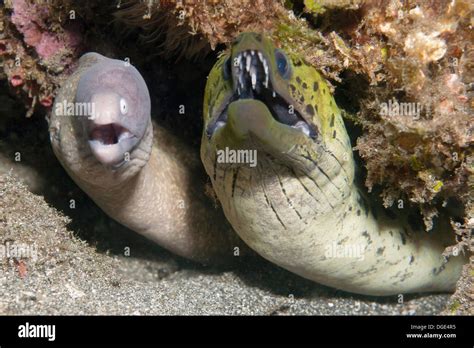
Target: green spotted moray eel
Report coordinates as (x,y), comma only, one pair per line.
(135,171)
(298,205)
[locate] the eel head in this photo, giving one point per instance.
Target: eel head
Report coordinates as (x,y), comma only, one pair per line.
(260,97)
(118,110)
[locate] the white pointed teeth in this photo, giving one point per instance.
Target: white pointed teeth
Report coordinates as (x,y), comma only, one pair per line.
(265,69)
(253,76)
(252,71)
(302,126)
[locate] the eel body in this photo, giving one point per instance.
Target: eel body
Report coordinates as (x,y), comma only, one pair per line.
(280,160)
(139,174)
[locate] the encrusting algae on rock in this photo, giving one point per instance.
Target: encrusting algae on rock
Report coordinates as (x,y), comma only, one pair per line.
(36,47)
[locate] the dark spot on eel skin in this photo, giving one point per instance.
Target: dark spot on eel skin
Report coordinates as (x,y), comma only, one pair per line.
(406,276)
(391,233)
(342,240)
(396,275)
(380,251)
(371,269)
(412,258)
(315,86)
(364,204)
(438,270)
(331,124)
(258,37)
(350,208)
(293,88)
(298,79)
(358,212)
(367,235)
(304,85)
(404,240)
(392,263)
(334,134)
(310,109)
(405,230)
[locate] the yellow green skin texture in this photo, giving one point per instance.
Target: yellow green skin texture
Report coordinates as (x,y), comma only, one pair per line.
(299,207)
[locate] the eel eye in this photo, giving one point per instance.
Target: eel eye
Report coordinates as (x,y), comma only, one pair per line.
(282,63)
(123,106)
(227,69)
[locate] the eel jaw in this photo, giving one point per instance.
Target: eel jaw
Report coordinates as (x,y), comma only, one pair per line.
(252,80)
(109,143)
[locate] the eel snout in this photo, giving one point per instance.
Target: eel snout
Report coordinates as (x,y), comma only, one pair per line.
(111,132)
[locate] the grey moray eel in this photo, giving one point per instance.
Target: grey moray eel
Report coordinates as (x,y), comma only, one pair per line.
(134,170)
(300,206)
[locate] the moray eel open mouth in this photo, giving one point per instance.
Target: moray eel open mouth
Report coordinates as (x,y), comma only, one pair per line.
(109,134)
(110,142)
(286,180)
(252,79)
